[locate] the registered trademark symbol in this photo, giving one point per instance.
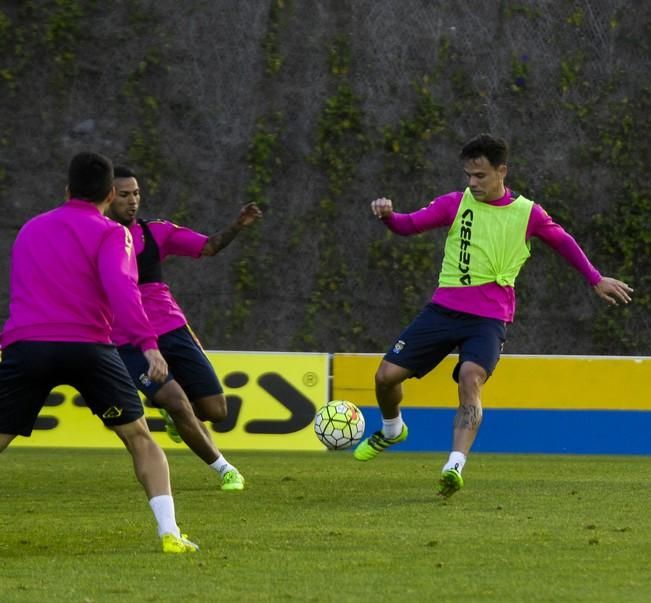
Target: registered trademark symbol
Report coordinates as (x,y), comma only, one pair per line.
(310,379)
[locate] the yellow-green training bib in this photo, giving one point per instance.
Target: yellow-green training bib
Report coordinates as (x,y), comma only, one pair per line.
(486,243)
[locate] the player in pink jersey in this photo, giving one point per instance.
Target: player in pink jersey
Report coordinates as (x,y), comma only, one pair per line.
(192,392)
(71,268)
(487,244)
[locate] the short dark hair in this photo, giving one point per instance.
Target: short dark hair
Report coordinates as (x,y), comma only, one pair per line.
(122,171)
(496,150)
(90,177)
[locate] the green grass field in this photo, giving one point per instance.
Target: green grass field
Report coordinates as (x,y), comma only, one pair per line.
(76,527)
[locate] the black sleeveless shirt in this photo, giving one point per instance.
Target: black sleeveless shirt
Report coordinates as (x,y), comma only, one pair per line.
(149,264)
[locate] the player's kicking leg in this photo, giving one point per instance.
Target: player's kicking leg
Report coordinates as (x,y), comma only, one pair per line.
(388,391)
(195,434)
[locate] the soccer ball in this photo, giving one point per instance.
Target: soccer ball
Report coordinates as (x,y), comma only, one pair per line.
(339,424)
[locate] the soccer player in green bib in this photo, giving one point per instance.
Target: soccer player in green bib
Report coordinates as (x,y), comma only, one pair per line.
(487,244)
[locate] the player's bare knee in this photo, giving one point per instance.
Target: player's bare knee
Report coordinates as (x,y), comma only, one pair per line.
(384,379)
(212,409)
(214,415)
(177,406)
(471,377)
(134,435)
(470,386)
(390,376)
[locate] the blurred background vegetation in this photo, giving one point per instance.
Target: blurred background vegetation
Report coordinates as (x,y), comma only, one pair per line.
(312,109)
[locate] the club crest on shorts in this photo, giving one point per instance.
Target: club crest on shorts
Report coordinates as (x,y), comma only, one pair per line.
(399,346)
(112,413)
(144,379)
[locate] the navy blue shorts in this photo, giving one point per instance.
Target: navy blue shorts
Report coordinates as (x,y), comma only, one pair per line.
(187,362)
(31,369)
(437,332)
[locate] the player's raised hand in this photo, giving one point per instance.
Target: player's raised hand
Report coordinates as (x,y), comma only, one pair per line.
(382,207)
(249,214)
(613,291)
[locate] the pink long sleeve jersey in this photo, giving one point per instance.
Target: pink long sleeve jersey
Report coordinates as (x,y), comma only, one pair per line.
(70,269)
(490,300)
(163,311)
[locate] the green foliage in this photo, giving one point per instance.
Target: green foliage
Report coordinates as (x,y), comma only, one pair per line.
(339,57)
(7,75)
(341,142)
(274,60)
(50,32)
(263,158)
(181,213)
(15,56)
(406,144)
(340,139)
(625,238)
(623,232)
(519,72)
(63,31)
(554,198)
(571,70)
(519,9)
(144,151)
(5,27)
(145,145)
(577,17)
(410,266)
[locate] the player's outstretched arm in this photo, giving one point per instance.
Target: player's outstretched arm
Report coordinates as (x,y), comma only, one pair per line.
(247,216)
(613,290)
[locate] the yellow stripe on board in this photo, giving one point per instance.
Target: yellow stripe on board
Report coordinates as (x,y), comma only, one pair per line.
(553,382)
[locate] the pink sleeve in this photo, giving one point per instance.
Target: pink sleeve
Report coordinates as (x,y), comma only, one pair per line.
(440,212)
(543,227)
(177,240)
(119,273)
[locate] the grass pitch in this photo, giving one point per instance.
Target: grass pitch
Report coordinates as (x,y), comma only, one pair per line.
(323,527)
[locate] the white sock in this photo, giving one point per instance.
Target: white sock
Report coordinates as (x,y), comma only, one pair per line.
(221,465)
(456,461)
(391,428)
(163,508)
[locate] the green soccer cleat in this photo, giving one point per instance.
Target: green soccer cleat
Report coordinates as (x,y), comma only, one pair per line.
(370,447)
(450,482)
(170,427)
(232,481)
(178,544)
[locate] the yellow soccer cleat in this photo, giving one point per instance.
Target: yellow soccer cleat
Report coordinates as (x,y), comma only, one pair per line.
(450,482)
(170,427)
(232,481)
(371,447)
(178,544)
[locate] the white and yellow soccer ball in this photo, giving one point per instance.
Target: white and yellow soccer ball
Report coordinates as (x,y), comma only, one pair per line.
(339,424)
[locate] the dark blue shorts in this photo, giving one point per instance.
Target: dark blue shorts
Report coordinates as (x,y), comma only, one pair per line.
(437,332)
(187,362)
(31,369)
